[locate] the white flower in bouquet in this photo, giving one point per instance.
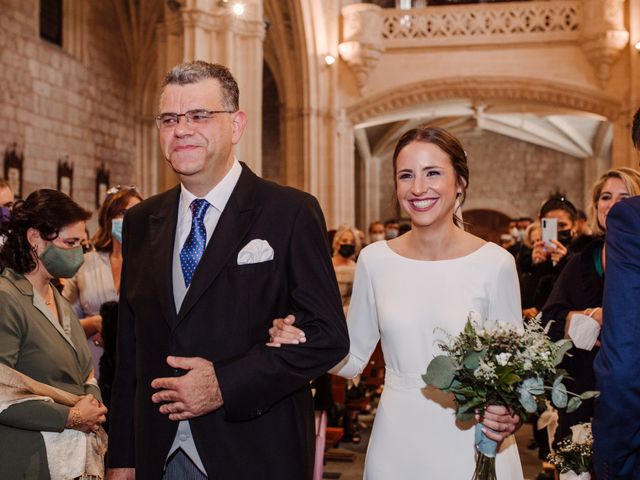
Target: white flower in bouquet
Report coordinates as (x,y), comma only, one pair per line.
(503,358)
(581,434)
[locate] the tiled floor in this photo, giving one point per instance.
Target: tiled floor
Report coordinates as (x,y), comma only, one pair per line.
(352,470)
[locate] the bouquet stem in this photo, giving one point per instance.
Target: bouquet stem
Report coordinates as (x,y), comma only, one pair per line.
(485,468)
(486,449)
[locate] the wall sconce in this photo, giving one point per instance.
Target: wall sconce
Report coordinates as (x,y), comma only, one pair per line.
(329,60)
(637,46)
(237,8)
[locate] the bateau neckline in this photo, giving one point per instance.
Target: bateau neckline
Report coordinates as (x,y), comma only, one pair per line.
(468,255)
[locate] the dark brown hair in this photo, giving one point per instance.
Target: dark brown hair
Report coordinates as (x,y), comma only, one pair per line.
(197,71)
(48,212)
(112,206)
(449,145)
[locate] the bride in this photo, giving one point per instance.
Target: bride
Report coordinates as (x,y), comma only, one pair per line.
(405,291)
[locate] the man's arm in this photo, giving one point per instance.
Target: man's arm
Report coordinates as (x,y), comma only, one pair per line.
(316,303)
(615,425)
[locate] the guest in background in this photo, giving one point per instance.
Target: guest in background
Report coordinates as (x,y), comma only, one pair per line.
(404,228)
(6,203)
(575,303)
(98,281)
(391,229)
(529,281)
(582,224)
(346,247)
(40,336)
(6,196)
(545,262)
(376,231)
(507,241)
(584,233)
(539,267)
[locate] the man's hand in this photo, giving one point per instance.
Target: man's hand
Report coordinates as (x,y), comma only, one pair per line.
(121,474)
(192,395)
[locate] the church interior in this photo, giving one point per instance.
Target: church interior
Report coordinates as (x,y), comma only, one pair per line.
(540,92)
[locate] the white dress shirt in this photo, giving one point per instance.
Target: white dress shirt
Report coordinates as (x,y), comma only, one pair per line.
(217,198)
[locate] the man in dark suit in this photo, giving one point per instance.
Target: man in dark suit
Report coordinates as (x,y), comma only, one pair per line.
(616,422)
(207,266)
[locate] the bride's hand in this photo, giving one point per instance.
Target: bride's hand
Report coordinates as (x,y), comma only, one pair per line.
(283,332)
(500,422)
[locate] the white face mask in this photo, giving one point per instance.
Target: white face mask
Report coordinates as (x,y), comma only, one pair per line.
(376,237)
(391,234)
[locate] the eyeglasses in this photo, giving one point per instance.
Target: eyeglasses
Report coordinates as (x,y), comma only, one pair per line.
(195,117)
(118,188)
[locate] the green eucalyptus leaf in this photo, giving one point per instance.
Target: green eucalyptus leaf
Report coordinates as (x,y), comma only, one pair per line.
(472,360)
(533,385)
(440,372)
(573,404)
(564,346)
(527,400)
(589,394)
(559,394)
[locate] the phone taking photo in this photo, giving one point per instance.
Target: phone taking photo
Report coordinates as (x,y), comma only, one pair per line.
(549,231)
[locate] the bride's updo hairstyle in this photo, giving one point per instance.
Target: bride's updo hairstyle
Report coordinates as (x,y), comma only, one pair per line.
(449,145)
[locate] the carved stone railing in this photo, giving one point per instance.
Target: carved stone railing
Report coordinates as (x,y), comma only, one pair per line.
(597,26)
(482,24)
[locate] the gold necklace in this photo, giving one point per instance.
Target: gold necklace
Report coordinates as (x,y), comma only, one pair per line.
(49,302)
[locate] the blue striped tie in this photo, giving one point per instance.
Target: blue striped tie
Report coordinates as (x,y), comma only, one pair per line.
(193,247)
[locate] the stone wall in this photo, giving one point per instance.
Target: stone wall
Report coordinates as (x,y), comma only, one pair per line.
(69,101)
(515,177)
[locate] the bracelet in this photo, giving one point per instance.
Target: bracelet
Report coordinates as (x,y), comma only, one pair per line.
(76,418)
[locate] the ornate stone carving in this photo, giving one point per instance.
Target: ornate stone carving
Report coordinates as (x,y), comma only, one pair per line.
(507,90)
(482,24)
(603,34)
(362,45)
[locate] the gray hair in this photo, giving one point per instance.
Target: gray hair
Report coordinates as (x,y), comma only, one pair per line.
(197,71)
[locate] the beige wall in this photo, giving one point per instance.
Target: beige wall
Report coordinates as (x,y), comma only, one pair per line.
(55,103)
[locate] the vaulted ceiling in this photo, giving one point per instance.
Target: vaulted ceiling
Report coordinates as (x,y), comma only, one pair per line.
(574,133)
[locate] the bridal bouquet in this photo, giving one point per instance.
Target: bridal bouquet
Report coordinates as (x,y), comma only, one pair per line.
(572,457)
(494,363)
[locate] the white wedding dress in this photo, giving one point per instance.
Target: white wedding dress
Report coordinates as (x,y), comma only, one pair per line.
(407,304)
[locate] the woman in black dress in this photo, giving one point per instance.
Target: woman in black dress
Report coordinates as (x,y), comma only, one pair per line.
(577,294)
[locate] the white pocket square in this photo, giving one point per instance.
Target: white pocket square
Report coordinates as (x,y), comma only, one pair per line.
(256,251)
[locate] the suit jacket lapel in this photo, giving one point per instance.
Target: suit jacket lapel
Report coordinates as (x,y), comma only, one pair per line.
(162,228)
(234,223)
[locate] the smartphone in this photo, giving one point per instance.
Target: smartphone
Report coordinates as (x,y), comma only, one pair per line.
(549,231)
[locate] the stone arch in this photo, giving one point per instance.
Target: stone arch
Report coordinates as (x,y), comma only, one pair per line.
(522,91)
(487,224)
(285,54)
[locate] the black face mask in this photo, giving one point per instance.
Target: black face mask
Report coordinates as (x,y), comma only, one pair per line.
(347,250)
(564,237)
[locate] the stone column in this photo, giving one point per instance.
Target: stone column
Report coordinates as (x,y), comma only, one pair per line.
(603,35)
(210,30)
